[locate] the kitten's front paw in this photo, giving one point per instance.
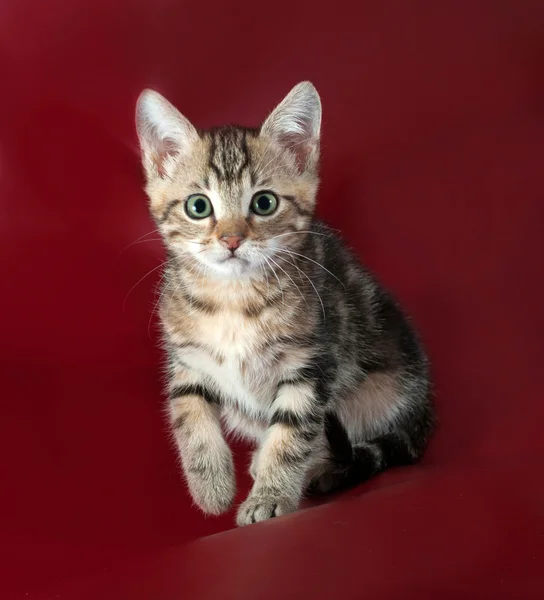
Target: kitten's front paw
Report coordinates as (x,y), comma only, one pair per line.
(259,508)
(212,484)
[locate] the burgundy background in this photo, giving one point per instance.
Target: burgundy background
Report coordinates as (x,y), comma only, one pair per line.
(433,168)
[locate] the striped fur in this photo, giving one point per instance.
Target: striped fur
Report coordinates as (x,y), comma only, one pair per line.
(286,340)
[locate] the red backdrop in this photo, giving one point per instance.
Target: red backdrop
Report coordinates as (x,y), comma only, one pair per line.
(433,168)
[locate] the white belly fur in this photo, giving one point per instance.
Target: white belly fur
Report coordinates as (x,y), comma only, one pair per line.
(247,376)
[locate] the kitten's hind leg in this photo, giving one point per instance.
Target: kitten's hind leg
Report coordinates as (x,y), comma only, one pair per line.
(367,459)
(386,424)
(330,479)
(332,466)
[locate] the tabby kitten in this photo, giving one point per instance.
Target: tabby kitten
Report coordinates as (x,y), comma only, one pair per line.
(274,330)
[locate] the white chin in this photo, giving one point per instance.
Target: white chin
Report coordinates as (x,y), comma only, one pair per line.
(232,268)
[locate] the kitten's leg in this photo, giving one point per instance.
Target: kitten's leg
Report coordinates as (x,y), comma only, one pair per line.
(205,456)
(282,462)
(335,459)
(253,465)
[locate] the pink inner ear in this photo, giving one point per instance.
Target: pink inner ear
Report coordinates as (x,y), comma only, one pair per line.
(162,151)
(301,148)
(158,159)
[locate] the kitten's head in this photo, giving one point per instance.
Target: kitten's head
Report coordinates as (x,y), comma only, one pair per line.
(231,200)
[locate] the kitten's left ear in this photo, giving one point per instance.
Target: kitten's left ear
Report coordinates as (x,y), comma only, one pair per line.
(296,124)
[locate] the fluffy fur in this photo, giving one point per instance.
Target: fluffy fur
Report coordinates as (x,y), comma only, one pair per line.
(274,330)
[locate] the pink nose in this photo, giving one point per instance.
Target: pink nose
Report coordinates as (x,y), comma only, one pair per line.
(232,242)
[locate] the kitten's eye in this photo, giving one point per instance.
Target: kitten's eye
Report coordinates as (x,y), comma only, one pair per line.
(264,203)
(198,206)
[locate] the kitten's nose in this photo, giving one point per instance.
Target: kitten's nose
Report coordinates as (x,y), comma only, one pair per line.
(232,242)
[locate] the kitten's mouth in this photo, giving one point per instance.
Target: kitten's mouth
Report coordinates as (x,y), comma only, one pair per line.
(232,257)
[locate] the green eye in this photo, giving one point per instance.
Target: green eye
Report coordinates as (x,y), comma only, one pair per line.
(264,203)
(198,206)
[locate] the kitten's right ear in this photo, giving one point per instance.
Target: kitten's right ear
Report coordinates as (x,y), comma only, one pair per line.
(164,134)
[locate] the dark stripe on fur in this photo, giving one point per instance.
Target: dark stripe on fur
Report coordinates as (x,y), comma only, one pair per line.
(202,305)
(179,422)
(338,440)
(301,210)
(294,380)
(303,375)
(308,435)
(287,417)
(293,457)
(211,163)
(255,310)
(229,153)
(169,208)
(195,390)
(245,152)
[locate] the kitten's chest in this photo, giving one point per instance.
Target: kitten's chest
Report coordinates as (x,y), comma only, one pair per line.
(234,353)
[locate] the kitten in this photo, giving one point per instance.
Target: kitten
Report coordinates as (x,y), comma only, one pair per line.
(274,330)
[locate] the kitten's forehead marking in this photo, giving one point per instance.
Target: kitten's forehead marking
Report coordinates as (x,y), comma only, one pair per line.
(230,176)
(229,156)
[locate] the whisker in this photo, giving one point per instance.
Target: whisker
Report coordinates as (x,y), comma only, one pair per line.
(156,305)
(291,279)
(140,281)
(137,241)
(313,261)
(263,267)
(276,275)
(145,241)
(295,232)
(186,276)
(311,283)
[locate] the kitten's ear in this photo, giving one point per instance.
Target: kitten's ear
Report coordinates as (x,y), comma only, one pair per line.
(296,124)
(164,133)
